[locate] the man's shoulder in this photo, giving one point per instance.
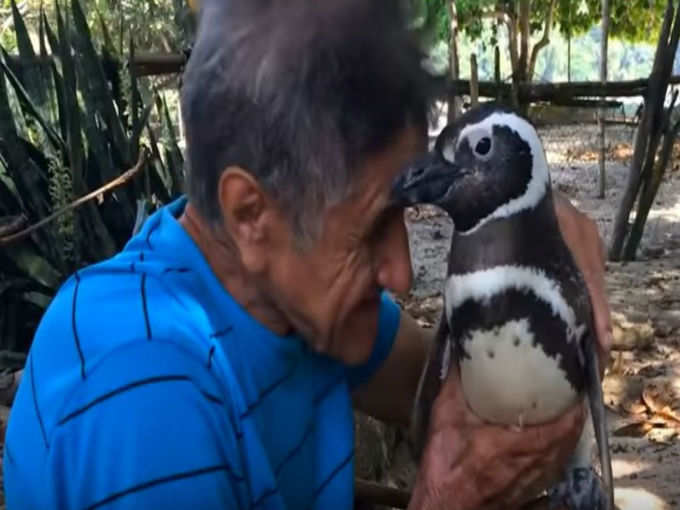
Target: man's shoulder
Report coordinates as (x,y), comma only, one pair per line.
(125,321)
(121,300)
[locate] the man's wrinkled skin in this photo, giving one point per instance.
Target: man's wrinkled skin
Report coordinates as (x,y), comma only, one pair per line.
(583,239)
(328,293)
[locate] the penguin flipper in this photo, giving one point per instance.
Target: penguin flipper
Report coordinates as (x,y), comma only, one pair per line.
(598,414)
(581,488)
(428,389)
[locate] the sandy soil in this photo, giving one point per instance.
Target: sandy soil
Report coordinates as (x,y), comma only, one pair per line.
(642,385)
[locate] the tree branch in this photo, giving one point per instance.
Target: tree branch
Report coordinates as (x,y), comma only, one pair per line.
(118,181)
(11,224)
(525,33)
(545,40)
(510,21)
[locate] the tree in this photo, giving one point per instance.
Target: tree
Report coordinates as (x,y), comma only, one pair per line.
(528,24)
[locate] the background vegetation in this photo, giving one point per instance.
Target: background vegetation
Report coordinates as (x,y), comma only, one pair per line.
(71,120)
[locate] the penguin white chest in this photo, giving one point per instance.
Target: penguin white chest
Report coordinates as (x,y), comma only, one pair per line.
(509,379)
(507,373)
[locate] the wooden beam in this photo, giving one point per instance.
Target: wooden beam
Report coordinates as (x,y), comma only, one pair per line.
(153,64)
(148,64)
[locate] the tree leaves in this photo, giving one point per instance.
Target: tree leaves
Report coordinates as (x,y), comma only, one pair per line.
(631,20)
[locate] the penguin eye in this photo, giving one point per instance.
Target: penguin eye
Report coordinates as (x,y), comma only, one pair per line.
(483,146)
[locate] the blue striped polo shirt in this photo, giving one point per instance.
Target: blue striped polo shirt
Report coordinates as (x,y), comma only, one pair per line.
(148,386)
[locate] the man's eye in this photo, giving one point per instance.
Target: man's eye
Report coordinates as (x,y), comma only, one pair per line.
(381,225)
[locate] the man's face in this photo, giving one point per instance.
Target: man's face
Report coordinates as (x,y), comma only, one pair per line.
(330,291)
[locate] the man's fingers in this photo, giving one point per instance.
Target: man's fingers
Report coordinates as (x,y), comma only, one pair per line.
(450,406)
(540,438)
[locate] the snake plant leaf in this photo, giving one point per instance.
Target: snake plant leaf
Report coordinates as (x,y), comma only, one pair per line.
(31,76)
(60,101)
(135,98)
(14,284)
(27,177)
(54,43)
(57,79)
(46,68)
(108,42)
(71,108)
(39,299)
(27,104)
(160,171)
(141,216)
(33,265)
(10,200)
(174,155)
(138,127)
(41,31)
(28,169)
(7,125)
(96,88)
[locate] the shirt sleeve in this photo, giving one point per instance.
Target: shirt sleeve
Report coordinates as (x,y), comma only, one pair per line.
(388,325)
(157,442)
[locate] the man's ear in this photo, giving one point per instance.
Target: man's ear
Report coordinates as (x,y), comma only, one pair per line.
(246,213)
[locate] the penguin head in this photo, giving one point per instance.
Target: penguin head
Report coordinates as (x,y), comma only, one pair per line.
(487,164)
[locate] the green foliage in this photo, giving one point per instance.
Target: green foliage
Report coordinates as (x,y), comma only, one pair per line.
(627,61)
(66,128)
(155,25)
(631,20)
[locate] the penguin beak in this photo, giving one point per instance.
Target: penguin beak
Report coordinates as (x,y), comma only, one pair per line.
(426,181)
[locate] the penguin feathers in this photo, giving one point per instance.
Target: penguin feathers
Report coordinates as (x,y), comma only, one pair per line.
(517,320)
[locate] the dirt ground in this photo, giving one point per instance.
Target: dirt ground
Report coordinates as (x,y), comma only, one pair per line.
(642,384)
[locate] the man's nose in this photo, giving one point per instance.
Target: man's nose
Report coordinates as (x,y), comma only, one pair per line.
(394,271)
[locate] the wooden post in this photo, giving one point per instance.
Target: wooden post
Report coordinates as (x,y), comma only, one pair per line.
(602,110)
(569,47)
(497,72)
(454,71)
(474,81)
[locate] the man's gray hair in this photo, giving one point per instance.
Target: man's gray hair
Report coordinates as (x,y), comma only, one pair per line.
(298,93)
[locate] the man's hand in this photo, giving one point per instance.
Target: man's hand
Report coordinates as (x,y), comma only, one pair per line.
(471,465)
(584,241)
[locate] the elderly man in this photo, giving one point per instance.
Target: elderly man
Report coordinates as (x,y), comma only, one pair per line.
(214,362)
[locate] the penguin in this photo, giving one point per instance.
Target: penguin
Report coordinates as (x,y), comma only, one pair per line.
(517,320)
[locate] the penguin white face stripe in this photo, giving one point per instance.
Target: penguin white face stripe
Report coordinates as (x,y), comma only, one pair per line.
(482,285)
(540,175)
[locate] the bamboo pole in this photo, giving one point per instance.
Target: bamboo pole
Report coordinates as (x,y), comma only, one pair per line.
(602,111)
(474,81)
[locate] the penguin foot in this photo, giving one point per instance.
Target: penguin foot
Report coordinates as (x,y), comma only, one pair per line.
(580,490)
